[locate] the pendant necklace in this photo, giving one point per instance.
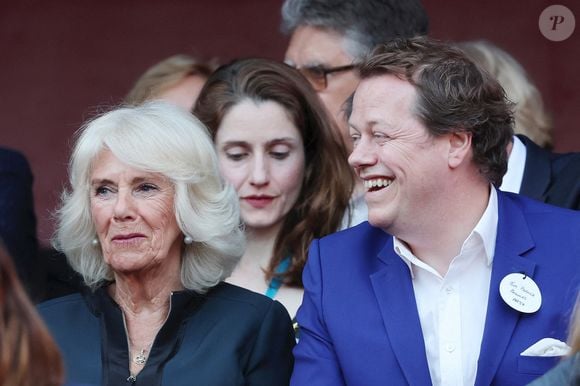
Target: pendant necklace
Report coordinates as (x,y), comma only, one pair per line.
(140,358)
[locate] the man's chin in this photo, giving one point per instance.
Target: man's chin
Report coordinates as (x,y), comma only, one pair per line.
(379,221)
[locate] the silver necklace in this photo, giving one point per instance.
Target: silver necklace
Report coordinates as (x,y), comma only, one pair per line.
(140,358)
(142,355)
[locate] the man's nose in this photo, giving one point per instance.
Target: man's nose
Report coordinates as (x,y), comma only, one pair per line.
(363,154)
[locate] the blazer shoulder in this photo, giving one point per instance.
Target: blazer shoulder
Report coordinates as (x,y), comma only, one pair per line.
(362,235)
(548,224)
(241,300)
(561,161)
(64,315)
(13,160)
(529,206)
(61,304)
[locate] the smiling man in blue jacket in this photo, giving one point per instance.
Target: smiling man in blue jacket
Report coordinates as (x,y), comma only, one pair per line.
(451,282)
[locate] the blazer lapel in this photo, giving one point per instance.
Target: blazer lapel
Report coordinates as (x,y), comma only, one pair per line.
(394,292)
(513,240)
(537,171)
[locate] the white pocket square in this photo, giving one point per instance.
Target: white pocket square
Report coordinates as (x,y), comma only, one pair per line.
(547,347)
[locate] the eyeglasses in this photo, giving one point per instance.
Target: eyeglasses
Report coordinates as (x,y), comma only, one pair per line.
(317,75)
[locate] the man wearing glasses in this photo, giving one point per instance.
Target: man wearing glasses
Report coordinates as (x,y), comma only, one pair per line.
(329,37)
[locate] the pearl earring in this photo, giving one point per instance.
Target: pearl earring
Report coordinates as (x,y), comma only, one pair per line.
(187,240)
(95,242)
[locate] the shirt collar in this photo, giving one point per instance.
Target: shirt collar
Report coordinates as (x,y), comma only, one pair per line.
(485,231)
(512,180)
(487,226)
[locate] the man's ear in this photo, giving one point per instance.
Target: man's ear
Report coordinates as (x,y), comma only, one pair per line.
(459,149)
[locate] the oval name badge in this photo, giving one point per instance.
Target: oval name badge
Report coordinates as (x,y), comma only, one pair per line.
(521,293)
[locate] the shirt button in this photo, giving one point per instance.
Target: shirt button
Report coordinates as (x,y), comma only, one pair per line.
(449,347)
(398,250)
(449,290)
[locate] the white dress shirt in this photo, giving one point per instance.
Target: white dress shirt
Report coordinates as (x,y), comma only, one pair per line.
(512,180)
(452,308)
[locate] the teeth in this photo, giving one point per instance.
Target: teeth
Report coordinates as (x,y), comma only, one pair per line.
(378,182)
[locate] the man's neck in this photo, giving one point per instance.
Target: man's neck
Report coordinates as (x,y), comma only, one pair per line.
(438,241)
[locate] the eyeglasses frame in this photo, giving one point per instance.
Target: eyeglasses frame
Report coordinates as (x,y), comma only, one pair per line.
(325,71)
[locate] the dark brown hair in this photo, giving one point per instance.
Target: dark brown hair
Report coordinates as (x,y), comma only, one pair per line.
(28,354)
(453,95)
(328,180)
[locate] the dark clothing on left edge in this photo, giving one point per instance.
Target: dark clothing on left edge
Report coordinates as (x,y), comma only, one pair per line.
(18,221)
(229,336)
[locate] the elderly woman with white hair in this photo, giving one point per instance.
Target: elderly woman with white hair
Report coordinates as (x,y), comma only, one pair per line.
(154,231)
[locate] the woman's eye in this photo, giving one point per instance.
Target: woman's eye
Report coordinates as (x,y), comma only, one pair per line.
(146,188)
(279,151)
(236,156)
(102,191)
(279,154)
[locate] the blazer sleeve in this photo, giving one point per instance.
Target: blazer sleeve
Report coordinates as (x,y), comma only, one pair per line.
(271,358)
(316,363)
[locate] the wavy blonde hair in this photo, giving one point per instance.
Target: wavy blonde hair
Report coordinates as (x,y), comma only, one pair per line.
(167,73)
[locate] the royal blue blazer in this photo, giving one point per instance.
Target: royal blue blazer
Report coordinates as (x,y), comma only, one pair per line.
(359,322)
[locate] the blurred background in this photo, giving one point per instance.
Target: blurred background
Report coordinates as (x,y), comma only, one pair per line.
(62,61)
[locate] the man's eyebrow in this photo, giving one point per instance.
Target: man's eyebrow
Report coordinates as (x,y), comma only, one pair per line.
(369,124)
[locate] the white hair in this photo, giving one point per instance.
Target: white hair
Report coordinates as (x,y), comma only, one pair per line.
(160,138)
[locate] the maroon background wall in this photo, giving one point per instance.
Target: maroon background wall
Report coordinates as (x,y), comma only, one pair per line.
(63,60)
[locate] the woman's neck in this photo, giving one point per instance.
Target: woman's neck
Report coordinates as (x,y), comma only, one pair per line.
(135,298)
(249,273)
(260,245)
(147,289)
(145,310)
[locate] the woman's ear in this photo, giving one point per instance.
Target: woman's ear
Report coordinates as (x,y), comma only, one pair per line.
(459,149)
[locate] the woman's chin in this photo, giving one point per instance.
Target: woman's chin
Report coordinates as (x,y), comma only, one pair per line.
(128,262)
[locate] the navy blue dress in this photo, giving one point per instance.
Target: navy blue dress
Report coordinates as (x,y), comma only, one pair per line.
(229,336)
